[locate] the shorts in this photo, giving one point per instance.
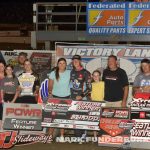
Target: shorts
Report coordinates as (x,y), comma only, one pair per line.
(8,97)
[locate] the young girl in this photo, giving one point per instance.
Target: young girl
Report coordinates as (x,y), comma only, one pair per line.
(97,93)
(9,89)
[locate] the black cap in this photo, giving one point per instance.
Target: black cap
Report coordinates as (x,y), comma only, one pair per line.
(76,57)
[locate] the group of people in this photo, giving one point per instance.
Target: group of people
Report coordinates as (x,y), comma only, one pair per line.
(21,84)
(79,84)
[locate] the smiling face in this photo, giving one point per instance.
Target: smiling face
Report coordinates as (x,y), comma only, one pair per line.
(145,67)
(27,66)
(62,65)
(21,59)
(112,63)
(96,76)
(9,70)
(76,63)
(2,67)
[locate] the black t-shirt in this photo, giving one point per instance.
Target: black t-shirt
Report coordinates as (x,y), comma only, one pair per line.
(115,81)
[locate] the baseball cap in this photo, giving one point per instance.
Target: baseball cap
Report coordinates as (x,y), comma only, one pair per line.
(76,57)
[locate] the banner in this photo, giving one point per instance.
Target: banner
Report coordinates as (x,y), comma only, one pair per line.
(115,127)
(22,116)
(118,18)
(60,113)
(95,56)
(106,18)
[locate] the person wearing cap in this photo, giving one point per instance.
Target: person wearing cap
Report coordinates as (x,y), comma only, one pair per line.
(142,80)
(80,85)
(78,78)
(18,69)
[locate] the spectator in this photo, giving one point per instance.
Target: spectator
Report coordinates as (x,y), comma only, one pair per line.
(29,84)
(116,84)
(18,69)
(142,80)
(59,80)
(9,88)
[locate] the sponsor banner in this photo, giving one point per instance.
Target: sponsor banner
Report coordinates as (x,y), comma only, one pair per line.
(66,113)
(140,103)
(10,139)
(115,126)
(22,116)
(118,18)
(95,56)
(106,18)
(138,18)
(141,130)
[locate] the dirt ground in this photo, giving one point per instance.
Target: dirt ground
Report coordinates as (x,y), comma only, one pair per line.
(64,146)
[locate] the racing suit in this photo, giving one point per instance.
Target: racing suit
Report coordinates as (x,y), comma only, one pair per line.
(80,83)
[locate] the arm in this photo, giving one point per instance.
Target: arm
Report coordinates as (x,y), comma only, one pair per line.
(50,87)
(125,95)
(2,95)
(125,85)
(88,84)
(16,95)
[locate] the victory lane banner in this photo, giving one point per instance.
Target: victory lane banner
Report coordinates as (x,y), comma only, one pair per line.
(95,56)
(115,127)
(66,113)
(22,117)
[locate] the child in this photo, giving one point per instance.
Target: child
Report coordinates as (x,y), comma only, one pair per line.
(9,89)
(97,93)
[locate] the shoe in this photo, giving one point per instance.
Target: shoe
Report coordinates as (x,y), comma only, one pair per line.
(62,139)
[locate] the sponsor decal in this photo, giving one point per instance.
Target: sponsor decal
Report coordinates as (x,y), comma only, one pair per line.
(13,138)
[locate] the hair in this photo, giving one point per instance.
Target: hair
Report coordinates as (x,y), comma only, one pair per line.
(3,62)
(96,71)
(113,56)
(145,60)
(27,60)
(57,68)
(23,54)
(9,65)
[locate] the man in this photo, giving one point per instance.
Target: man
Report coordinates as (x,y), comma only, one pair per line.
(142,80)
(116,84)
(18,69)
(80,80)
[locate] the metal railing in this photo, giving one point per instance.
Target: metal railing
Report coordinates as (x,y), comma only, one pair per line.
(59,16)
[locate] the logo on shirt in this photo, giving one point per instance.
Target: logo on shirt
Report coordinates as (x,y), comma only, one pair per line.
(111,78)
(76,84)
(80,77)
(145,82)
(9,84)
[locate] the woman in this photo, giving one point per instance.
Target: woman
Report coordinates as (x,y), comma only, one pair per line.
(9,90)
(2,68)
(28,85)
(59,80)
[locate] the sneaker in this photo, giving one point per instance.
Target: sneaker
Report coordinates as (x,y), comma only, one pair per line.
(61,140)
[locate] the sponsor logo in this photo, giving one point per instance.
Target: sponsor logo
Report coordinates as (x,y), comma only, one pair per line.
(24,112)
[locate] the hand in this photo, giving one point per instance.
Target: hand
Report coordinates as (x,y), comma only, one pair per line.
(123,104)
(78,97)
